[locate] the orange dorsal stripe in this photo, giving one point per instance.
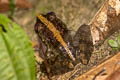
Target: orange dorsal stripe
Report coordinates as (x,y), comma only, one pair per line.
(56,34)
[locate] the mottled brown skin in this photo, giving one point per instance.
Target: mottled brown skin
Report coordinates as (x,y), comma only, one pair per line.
(83,43)
(42,30)
(58,60)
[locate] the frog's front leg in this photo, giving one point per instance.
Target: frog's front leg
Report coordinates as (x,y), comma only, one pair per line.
(43,53)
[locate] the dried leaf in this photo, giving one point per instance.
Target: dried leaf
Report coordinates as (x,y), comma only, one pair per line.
(106,21)
(114,76)
(21,4)
(102,71)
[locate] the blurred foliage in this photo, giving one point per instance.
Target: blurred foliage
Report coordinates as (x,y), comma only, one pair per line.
(16,53)
(12,8)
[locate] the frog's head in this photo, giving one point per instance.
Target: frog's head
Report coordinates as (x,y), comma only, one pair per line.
(51,16)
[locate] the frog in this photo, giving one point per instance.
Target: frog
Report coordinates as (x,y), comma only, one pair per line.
(56,58)
(52,52)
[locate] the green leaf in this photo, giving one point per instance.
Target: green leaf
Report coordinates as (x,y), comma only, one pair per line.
(113,43)
(115,49)
(16,54)
(118,39)
(12,7)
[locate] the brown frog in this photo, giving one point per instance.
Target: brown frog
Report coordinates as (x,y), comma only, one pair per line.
(57,48)
(51,50)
